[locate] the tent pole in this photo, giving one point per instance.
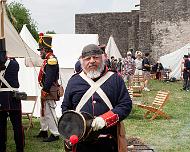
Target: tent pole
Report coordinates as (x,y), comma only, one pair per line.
(2,3)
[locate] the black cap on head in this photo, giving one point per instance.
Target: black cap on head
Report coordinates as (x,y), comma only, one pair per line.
(44,41)
(185,56)
(91,49)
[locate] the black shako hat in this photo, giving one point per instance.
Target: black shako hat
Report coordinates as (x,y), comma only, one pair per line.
(44,41)
(185,56)
(91,49)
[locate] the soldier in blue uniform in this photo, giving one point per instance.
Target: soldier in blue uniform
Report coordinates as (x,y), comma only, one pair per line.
(10,106)
(186,73)
(48,76)
(109,104)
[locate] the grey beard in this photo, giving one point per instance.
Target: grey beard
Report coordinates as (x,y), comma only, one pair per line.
(95,74)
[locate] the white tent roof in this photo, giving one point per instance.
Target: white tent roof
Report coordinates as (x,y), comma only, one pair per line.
(68,47)
(112,49)
(29,39)
(14,44)
(33,45)
(173,61)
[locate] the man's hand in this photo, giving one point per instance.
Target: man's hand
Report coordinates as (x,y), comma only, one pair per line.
(43,94)
(98,123)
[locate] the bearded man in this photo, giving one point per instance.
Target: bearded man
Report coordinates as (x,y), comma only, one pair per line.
(109,103)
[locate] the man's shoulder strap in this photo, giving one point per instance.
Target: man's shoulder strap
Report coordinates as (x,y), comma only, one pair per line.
(94,87)
(100,81)
(6,65)
(5,81)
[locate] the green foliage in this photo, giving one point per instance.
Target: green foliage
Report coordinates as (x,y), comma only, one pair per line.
(19,16)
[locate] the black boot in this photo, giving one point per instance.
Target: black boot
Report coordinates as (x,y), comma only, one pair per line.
(42,134)
(51,138)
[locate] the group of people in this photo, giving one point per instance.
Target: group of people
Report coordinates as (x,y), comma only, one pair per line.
(97,88)
(130,66)
(109,103)
(185,72)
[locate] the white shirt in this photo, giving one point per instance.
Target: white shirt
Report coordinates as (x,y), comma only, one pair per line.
(138,63)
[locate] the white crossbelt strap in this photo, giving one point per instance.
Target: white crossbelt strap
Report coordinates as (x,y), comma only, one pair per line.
(5,81)
(95,87)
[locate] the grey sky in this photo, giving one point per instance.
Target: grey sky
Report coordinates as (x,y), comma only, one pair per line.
(59,15)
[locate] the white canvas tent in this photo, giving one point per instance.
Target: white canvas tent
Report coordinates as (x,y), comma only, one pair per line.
(28,80)
(29,39)
(173,61)
(33,45)
(68,47)
(112,49)
(16,47)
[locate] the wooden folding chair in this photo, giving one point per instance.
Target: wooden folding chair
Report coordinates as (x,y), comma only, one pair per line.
(137,85)
(130,93)
(156,108)
(29,109)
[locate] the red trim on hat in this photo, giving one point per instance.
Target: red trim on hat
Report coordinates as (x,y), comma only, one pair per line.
(41,34)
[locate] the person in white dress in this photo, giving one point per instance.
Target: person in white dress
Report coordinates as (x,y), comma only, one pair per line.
(138,63)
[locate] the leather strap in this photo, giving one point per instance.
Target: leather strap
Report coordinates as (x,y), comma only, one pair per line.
(9,88)
(95,87)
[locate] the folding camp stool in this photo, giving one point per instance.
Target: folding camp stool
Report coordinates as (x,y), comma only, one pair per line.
(28,107)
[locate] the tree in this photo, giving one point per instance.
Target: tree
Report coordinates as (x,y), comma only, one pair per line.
(19,15)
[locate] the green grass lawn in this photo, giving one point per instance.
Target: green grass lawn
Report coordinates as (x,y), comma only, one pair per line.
(162,135)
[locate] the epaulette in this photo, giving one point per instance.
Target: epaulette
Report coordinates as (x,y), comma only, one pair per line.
(52,61)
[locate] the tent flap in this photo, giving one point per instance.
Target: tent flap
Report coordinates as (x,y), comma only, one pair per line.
(16,47)
(112,49)
(173,61)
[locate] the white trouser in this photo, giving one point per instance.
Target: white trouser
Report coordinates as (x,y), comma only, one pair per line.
(49,121)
